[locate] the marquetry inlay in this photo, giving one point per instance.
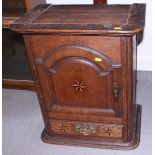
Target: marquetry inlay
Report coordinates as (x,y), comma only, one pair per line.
(63,127)
(79,86)
(108,131)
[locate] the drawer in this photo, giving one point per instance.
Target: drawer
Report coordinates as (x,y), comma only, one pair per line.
(83,129)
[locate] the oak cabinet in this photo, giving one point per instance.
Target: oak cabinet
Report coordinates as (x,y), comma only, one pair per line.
(85,72)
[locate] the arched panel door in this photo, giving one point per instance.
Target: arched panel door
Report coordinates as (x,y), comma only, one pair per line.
(80,80)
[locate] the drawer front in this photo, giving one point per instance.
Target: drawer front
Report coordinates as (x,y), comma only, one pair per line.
(99,130)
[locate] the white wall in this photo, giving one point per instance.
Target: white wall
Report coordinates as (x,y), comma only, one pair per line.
(145,47)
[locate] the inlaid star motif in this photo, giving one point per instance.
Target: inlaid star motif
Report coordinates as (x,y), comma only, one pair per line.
(108,131)
(79,86)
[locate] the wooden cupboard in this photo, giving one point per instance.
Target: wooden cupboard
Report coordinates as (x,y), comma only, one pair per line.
(83,59)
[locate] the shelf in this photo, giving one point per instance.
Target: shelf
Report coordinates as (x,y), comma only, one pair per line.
(18,84)
(14,59)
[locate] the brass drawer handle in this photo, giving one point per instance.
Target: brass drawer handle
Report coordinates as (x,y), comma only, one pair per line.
(115,89)
(85,129)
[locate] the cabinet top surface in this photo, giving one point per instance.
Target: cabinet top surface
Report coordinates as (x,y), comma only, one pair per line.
(103,19)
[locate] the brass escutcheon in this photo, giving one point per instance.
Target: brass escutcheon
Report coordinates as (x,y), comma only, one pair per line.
(115,89)
(85,129)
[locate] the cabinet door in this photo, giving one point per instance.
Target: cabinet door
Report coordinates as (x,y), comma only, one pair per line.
(78,79)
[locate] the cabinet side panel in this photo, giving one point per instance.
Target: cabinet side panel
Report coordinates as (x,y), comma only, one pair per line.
(27,39)
(131,78)
(134,68)
(129,85)
(123,48)
(128,47)
(134,82)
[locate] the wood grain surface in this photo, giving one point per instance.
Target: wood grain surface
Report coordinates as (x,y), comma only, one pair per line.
(103,19)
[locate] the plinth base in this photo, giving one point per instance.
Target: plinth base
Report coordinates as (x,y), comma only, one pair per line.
(98,144)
